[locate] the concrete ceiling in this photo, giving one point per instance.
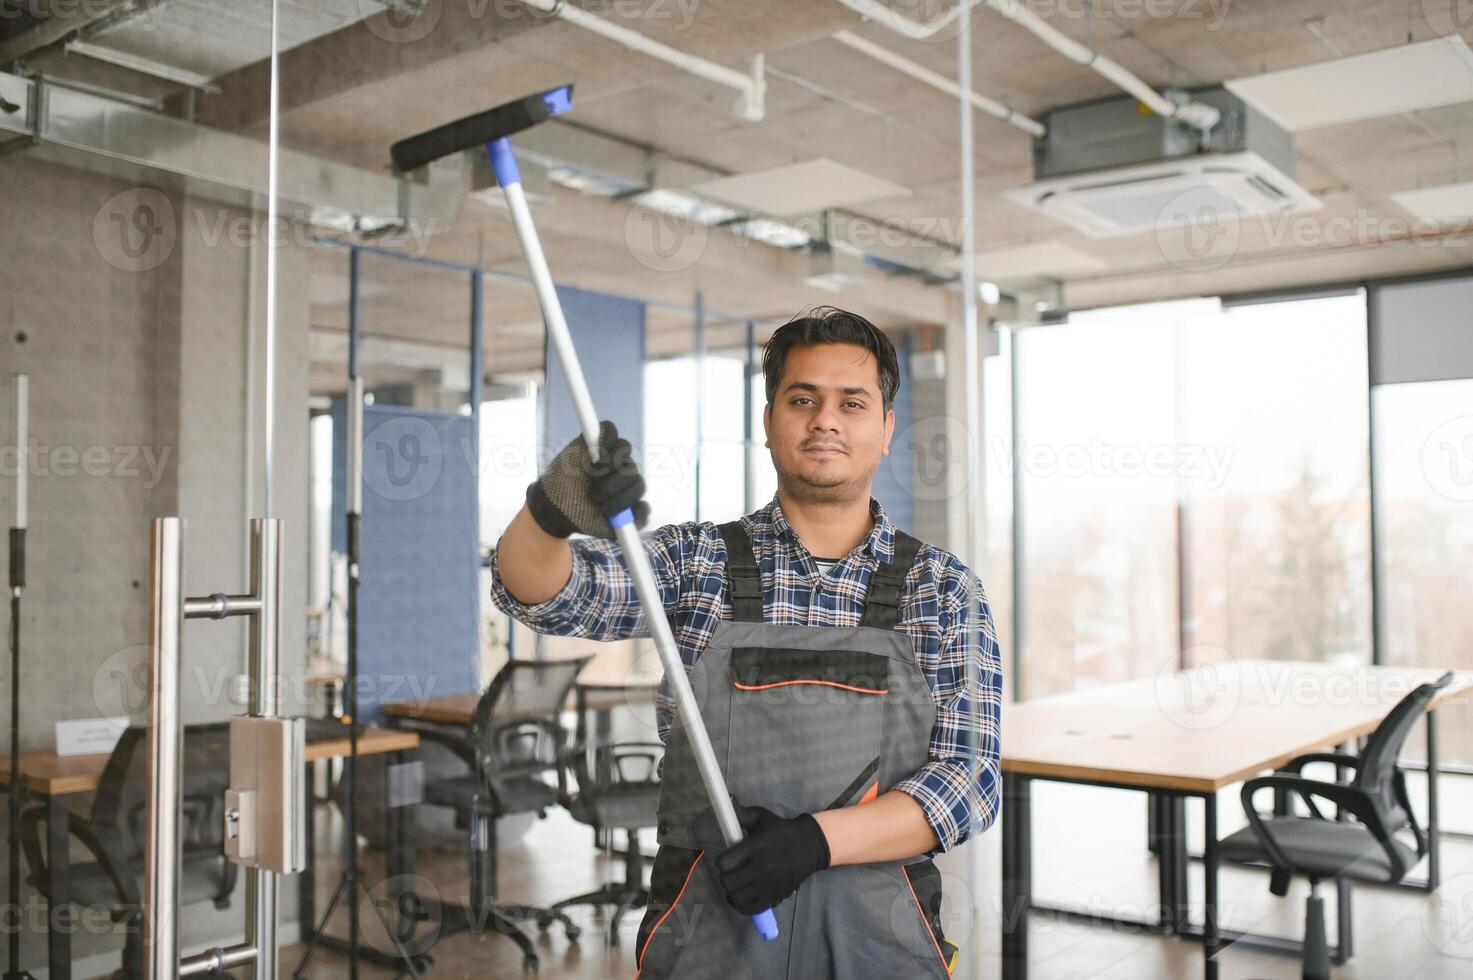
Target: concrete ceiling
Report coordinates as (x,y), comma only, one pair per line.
(347,95)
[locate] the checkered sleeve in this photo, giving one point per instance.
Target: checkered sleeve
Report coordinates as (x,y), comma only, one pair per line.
(599,601)
(967,730)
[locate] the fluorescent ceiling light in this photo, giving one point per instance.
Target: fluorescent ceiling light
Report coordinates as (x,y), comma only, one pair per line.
(1450,202)
(771,232)
(1363,86)
(798,188)
(684,204)
(1032,261)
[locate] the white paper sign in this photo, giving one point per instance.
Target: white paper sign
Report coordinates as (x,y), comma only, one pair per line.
(88,736)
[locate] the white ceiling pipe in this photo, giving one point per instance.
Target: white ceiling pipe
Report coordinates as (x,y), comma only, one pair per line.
(905,65)
(752,87)
(1203,117)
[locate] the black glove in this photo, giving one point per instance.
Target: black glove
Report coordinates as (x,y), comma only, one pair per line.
(577,495)
(772,860)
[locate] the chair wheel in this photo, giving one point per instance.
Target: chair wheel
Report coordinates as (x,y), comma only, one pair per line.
(573,932)
(544,921)
(529,964)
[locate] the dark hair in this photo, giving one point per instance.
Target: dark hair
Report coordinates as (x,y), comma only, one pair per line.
(830,325)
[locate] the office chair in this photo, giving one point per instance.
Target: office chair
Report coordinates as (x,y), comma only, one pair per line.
(516,741)
(620,790)
(1320,847)
(116,832)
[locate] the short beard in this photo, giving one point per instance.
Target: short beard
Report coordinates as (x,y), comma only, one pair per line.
(798,488)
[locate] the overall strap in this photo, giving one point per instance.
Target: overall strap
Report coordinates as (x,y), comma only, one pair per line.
(882,601)
(743,578)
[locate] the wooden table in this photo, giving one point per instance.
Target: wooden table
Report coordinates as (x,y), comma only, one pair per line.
(53,779)
(1189,734)
(605,683)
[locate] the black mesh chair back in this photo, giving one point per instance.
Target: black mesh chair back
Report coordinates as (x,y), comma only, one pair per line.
(120,805)
(516,730)
(1377,770)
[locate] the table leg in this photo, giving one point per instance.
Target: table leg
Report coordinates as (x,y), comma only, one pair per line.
(1434,850)
(1171,860)
(1210,866)
(1153,834)
(307,882)
(1017,874)
(58,885)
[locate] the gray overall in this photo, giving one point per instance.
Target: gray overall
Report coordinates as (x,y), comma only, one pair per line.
(803,719)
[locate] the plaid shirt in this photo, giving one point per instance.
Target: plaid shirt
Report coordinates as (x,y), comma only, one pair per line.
(599,602)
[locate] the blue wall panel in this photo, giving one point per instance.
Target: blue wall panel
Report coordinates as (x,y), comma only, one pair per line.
(608,333)
(418,611)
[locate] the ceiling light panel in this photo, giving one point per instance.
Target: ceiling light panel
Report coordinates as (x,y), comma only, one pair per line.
(1363,86)
(799,188)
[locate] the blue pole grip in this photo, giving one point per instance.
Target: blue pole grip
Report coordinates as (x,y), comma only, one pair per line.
(625,516)
(766,924)
(503,162)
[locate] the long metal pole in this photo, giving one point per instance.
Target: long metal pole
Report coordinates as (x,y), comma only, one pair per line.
(627,533)
(161,885)
(263,887)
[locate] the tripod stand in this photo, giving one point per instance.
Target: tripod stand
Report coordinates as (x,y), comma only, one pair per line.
(352,886)
(17,583)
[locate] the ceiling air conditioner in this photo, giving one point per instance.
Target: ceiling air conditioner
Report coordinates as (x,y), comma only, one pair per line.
(1111,168)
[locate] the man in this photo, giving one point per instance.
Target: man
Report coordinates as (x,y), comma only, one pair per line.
(829,652)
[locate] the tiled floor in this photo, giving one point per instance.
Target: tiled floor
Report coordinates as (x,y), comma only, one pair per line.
(1089,849)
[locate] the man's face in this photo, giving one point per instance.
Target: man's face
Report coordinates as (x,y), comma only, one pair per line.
(826,426)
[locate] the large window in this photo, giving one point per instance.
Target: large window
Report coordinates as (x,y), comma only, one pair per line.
(1095,397)
(1424,510)
(1193,477)
(1273,449)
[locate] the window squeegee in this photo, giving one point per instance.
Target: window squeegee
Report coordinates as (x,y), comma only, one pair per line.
(493,129)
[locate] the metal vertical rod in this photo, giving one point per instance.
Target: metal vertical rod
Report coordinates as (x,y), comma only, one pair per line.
(972,552)
(18,788)
(478,373)
(354,458)
(263,888)
(273,146)
(699,318)
(749,430)
(1373,527)
(161,885)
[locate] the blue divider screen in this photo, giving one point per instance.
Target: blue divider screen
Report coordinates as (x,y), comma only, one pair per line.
(608,333)
(418,631)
